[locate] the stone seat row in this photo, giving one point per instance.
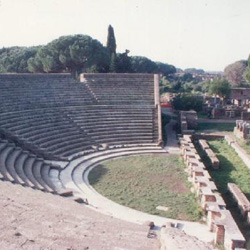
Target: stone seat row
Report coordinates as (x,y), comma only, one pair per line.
(65,144)
(24,82)
(34,103)
(22,167)
(106,78)
(9,107)
(218,218)
(50,88)
(45,100)
(111,109)
(28,104)
(123,93)
(133,83)
(81,110)
(115,96)
(72,175)
(119,82)
(42,122)
(119,89)
(116,78)
(44,117)
(50,124)
(44,129)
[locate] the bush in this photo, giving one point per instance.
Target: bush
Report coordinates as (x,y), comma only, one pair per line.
(187,102)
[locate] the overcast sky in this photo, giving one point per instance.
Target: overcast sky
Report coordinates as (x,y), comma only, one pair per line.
(208,34)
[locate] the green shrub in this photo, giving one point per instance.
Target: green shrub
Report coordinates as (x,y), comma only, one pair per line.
(187,102)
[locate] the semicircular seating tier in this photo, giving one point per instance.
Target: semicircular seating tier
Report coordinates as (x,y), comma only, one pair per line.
(56,117)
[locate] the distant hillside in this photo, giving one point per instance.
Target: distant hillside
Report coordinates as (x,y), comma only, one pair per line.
(194,71)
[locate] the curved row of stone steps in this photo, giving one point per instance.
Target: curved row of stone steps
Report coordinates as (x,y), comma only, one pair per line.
(71,176)
(24,168)
(49,119)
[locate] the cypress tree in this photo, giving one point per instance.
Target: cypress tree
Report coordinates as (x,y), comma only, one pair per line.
(113,63)
(111,43)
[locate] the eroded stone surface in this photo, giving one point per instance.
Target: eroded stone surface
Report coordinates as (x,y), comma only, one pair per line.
(32,219)
(173,238)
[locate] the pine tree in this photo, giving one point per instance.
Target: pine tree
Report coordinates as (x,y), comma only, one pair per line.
(111,43)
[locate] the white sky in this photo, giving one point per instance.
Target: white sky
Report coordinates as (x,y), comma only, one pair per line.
(208,34)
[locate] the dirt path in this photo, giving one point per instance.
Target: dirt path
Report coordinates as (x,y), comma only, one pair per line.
(172,141)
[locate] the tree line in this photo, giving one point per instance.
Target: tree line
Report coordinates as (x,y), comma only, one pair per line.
(76,54)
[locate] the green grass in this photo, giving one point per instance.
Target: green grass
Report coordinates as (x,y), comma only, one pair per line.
(232,169)
(145,182)
(228,127)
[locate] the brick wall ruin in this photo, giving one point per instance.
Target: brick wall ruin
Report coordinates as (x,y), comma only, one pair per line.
(218,218)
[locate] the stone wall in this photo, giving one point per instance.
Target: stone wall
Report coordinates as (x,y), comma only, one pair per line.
(188,121)
(242,129)
(210,154)
(240,198)
(240,94)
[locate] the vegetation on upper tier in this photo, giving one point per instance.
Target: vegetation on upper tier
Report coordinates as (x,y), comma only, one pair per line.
(81,53)
(145,182)
(77,54)
(187,102)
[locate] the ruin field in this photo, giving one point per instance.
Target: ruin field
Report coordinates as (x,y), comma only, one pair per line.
(146,182)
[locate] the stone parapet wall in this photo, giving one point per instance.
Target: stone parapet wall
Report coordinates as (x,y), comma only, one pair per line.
(218,218)
(240,198)
(210,154)
(242,129)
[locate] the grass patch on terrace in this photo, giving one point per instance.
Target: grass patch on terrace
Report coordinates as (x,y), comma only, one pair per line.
(245,144)
(232,168)
(145,182)
(228,127)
